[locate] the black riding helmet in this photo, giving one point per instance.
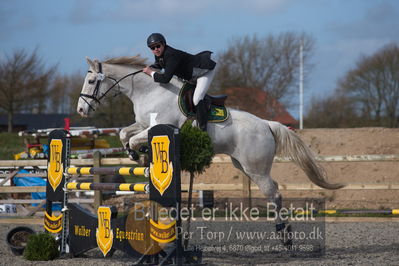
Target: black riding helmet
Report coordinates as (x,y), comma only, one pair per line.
(155,38)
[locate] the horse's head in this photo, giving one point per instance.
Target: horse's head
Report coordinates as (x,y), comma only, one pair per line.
(98,84)
(94,88)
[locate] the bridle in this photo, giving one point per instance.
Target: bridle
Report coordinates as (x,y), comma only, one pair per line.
(100,77)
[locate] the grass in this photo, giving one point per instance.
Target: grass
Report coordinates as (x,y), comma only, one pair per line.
(113,141)
(10,144)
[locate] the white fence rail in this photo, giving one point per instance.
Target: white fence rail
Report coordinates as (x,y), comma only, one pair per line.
(245,186)
(216,159)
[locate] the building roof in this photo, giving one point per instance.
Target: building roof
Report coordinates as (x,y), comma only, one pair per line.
(257,102)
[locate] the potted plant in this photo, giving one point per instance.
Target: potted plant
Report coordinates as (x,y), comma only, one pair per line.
(17,239)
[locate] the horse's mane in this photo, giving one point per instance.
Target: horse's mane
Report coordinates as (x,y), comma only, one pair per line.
(136,60)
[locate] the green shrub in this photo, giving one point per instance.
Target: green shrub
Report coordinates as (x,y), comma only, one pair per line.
(42,246)
(196,149)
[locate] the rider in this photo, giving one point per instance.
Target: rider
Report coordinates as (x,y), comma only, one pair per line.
(199,69)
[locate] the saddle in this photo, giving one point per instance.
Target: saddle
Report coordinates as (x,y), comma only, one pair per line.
(217,111)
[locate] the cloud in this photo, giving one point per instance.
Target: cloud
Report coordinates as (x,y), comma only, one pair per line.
(360,35)
(4,14)
(155,11)
(263,7)
(379,21)
(344,54)
(14,20)
(373,29)
(165,11)
(356,45)
(383,12)
(82,12)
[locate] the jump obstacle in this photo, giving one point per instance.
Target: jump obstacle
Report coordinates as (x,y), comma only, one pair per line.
(140,233)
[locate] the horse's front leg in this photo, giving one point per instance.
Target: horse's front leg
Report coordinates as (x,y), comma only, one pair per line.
(125,134)
(135,143)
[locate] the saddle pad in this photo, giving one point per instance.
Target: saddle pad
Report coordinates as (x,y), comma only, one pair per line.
(216,114)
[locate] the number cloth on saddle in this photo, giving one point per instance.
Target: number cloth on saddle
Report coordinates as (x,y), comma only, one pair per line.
(217,112)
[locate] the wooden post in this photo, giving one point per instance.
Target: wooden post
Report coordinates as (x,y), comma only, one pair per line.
(246,191)
(98,199)
(190,197)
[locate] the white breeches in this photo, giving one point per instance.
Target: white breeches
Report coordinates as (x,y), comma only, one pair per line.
(202,87)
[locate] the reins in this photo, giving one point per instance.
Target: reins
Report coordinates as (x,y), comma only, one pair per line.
(100,77)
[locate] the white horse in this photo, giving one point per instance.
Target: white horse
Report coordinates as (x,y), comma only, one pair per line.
(251,142)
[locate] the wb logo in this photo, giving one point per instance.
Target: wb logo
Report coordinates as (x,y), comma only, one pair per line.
(161,168)
(56,156)
(161,156)
(104,233)
(55,167)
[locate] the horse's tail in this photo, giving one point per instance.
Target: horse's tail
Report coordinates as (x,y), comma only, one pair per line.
(288,144)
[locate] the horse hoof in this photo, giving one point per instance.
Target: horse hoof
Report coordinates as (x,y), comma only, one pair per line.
(288,243)
(285,233)
(144,149)
(133,155)
(287,240)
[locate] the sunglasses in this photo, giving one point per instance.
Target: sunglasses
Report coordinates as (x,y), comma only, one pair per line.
(155,47)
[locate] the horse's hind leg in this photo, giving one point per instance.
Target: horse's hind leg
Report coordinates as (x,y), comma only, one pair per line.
(269,188)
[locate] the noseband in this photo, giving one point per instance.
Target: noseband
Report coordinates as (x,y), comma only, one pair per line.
(100,77)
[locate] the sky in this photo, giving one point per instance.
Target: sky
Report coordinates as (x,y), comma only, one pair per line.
(65,32)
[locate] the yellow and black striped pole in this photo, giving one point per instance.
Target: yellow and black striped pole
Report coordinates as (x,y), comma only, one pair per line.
(386,211)
(125,171)
(138,187)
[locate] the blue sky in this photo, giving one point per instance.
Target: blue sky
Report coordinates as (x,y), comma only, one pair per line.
(65,32)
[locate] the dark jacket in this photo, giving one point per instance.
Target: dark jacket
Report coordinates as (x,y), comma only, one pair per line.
(181,64)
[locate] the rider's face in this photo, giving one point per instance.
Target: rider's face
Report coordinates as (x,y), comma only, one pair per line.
(157,49)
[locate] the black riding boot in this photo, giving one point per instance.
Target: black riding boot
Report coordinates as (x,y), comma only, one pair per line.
(202,115)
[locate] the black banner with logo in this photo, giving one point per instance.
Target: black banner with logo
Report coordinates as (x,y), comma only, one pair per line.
(58,146)
(165,187)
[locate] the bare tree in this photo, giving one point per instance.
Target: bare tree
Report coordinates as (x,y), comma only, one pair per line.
(59,96)
(270,63)
(336,111)
(374,85)
(24,83)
